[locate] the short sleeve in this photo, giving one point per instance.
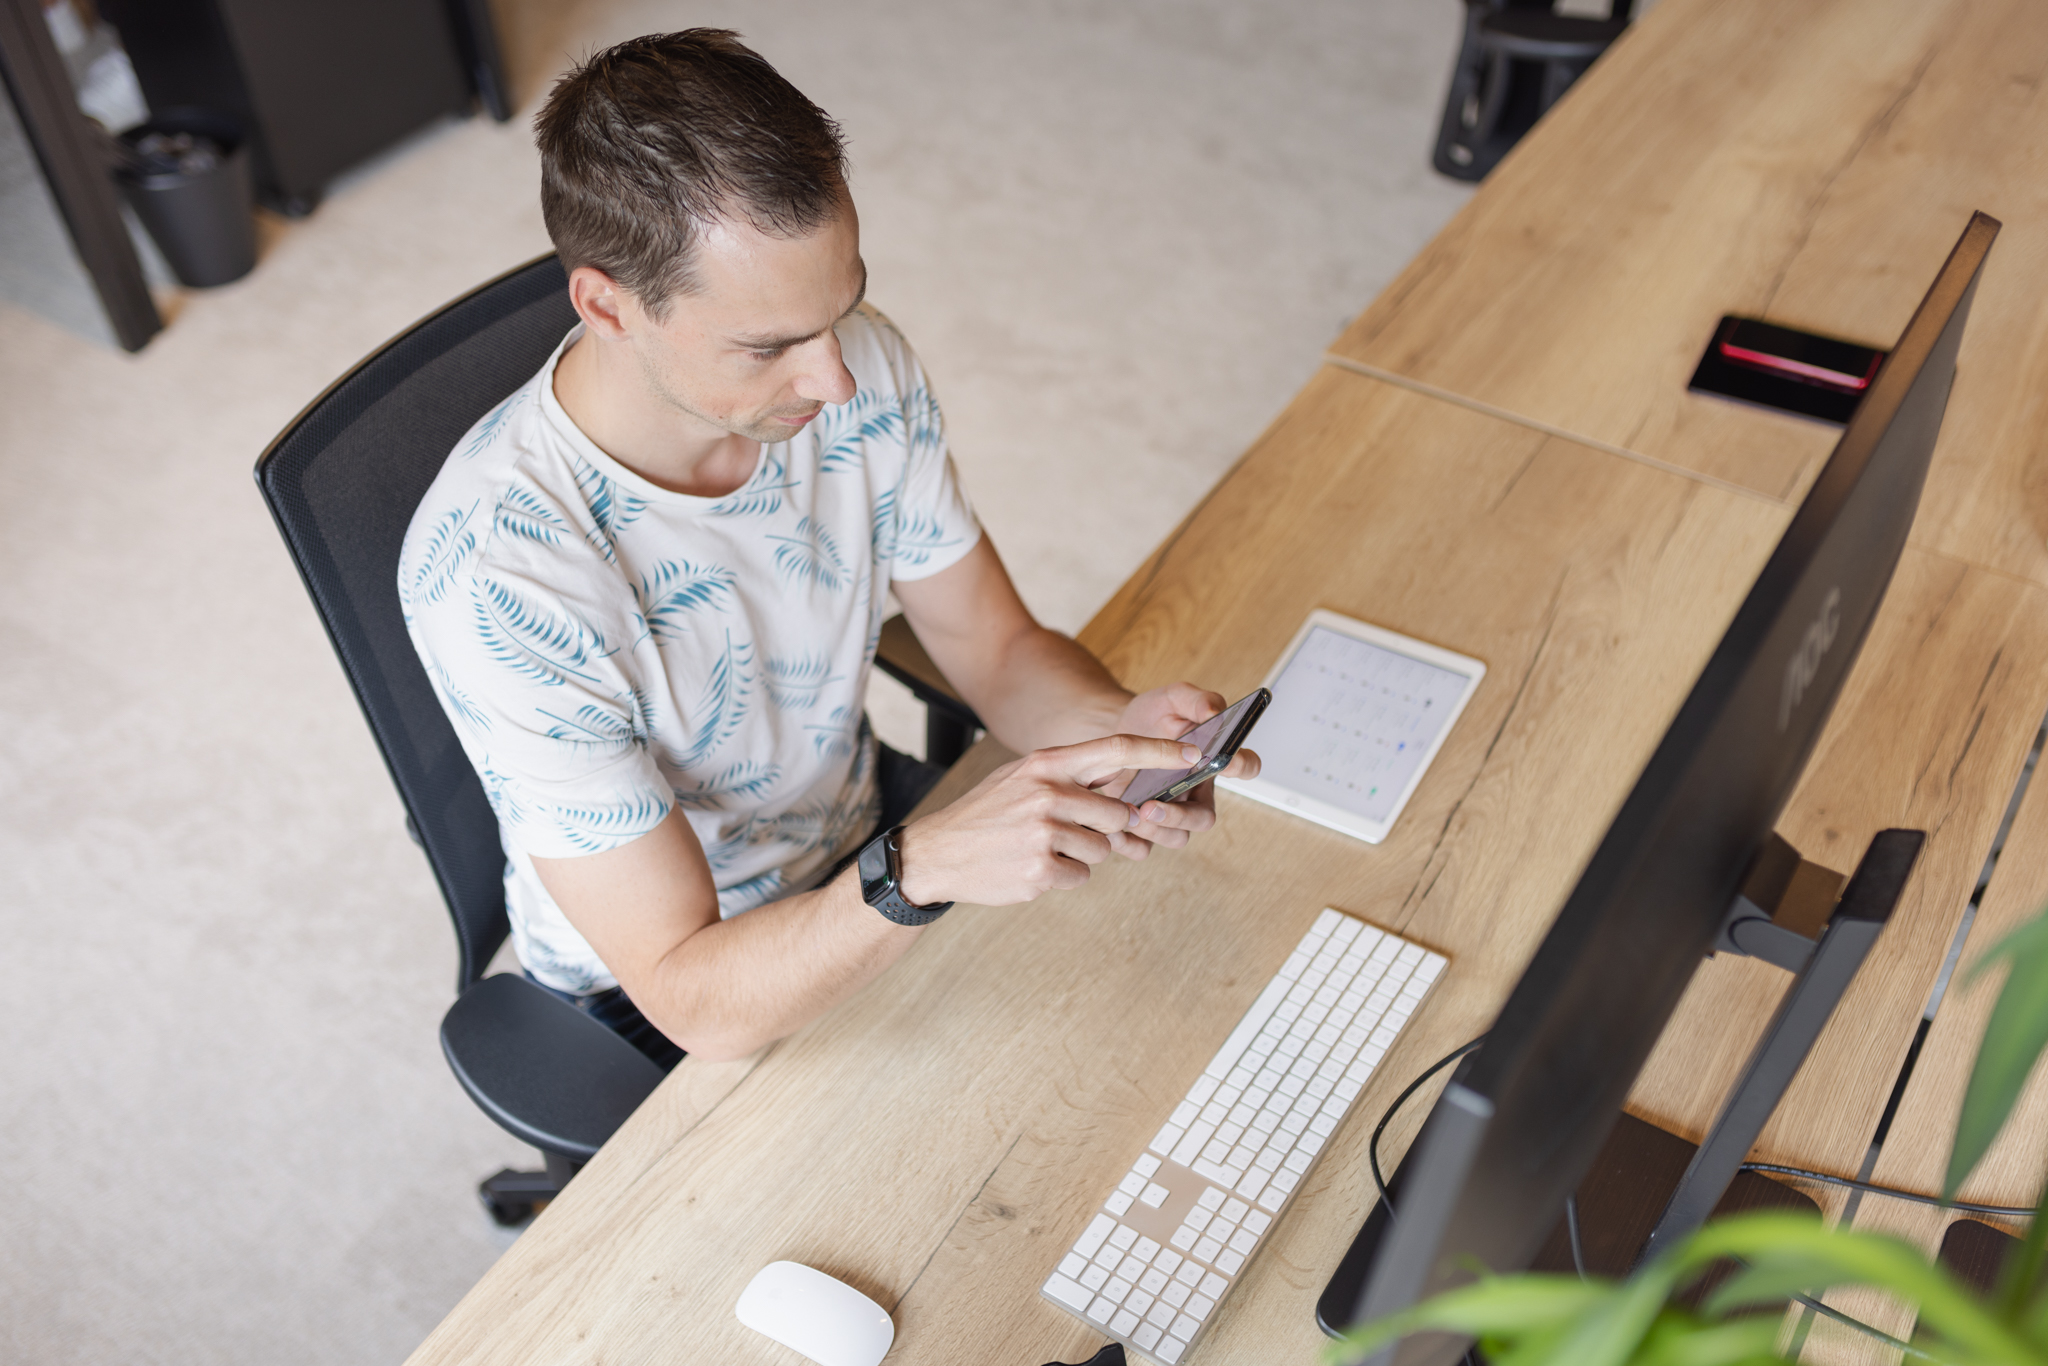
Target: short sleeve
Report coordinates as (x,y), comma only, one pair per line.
(932,524)
(533,674)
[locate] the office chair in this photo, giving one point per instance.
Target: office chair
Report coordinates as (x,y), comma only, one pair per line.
(342,481)
(1517,60)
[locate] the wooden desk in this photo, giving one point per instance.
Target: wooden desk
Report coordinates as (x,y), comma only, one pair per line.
(1811,163)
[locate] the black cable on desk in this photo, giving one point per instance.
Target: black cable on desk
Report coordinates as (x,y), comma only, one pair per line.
(1372,1152)
(1999,1211)
(1372,1149)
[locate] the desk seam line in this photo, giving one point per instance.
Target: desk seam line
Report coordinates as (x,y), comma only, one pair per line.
(972,1200)
(1331,358)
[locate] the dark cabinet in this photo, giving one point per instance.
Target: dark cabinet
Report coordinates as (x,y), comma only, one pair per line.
(320,84)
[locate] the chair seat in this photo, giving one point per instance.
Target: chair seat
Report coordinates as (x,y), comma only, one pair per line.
(543,1069)
(1537,36)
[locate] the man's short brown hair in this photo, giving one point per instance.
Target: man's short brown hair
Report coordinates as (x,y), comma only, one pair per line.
(648,143)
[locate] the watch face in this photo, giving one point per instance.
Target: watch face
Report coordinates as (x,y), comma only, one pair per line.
(874,869)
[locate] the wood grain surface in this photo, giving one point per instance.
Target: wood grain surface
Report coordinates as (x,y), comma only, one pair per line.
(1811,164)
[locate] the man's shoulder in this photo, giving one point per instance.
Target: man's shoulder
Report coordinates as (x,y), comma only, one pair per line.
(877,352)
(508,500)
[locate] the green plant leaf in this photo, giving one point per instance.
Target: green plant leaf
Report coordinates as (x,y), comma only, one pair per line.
(1798,1256)
(1510,1307)
(1678,1339)
(2013,1040)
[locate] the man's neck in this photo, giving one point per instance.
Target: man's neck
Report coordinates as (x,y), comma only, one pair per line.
(604,394)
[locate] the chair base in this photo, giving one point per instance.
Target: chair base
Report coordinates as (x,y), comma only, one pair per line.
(512,1197)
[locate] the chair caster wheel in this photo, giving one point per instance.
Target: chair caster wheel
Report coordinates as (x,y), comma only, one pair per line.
(513,1197)
(507,1213)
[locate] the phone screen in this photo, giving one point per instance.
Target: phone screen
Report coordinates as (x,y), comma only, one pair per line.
(1220,738)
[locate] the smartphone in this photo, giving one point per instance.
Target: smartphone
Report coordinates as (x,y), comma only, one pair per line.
(1220,737)
(1798,355)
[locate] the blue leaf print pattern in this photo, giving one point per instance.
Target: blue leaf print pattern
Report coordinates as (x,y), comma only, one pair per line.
(521,513)
(760,495)
(918,539)
(924,426)
(456,700)
(724,704)
(593,725)
(867,416)
(493,422)
(499,794)
(448,548)
(676,589)
(597,828)
(810,556)
(533,642)
(797,684)
(831,738)
(749,780)
(611,507)
(755,891)
(884,529)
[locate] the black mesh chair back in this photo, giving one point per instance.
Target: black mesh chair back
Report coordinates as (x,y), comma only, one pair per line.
(342,481)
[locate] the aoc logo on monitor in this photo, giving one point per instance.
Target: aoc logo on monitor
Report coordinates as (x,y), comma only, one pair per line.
(1805,661)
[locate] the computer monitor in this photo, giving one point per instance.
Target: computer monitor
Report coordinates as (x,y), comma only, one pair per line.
(1520,1123)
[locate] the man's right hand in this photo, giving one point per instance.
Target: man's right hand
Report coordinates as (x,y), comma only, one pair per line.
(1032,826)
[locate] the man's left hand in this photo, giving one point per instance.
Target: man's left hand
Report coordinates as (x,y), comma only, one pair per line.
(1167,714)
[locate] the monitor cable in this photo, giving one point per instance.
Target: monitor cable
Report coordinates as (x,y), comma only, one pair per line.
(1996,1211)
(1372,1149)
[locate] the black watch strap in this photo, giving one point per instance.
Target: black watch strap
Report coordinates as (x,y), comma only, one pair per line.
(881,882)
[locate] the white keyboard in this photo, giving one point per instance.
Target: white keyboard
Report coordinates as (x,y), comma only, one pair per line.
(1194,1208)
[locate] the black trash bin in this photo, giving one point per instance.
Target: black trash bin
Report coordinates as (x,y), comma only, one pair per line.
(186,174)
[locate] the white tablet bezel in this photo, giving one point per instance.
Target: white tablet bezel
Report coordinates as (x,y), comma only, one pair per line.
(1273,793)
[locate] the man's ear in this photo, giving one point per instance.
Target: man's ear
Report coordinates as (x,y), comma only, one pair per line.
(607,309)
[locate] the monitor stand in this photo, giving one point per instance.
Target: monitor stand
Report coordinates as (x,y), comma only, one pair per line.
(1629,1185)
(1633,1202)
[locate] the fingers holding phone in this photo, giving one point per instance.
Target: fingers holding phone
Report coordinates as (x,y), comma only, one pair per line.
(1032,826)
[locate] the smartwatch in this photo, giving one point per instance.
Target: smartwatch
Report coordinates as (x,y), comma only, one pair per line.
(881,882)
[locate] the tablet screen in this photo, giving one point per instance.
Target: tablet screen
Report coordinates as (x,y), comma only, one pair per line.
(1351,721)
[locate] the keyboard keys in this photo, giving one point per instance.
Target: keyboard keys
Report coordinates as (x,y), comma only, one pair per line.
(1067,1292)
(1246,1134)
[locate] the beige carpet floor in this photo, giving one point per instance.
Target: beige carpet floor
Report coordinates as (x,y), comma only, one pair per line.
(1119,235)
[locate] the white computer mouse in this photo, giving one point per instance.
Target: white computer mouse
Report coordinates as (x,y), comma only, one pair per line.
(805,1310)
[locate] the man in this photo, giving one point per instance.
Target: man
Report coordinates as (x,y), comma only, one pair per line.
(648,587)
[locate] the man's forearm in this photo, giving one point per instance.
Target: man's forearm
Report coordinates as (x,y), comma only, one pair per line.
(740,984)
(1045,690)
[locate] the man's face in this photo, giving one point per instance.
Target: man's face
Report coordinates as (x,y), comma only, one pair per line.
(751,350)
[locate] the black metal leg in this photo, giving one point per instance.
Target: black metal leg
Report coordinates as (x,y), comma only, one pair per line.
(512,1197)
(1861,916)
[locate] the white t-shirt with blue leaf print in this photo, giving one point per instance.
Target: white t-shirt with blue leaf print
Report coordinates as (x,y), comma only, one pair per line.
(608,649)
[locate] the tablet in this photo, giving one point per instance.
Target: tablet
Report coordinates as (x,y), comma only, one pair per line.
(1358,714)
